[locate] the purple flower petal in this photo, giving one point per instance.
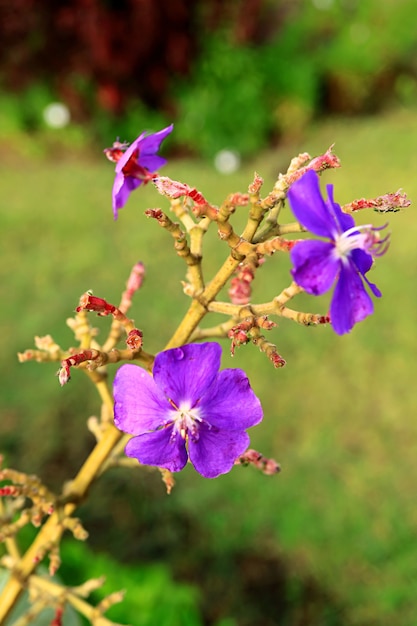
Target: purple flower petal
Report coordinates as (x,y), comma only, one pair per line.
(315,268)
(362,260)
(215,451)
(343,221)
(139,405)
(152,162)
(147,146)
(351,302)
(151,143)
(159,448)
(372,287)
(184,374)
(230,402)
(309,207)
(131,167)
(135,145)
(123,186)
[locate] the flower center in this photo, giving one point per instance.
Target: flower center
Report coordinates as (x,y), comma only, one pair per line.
(186,421)
(364,237)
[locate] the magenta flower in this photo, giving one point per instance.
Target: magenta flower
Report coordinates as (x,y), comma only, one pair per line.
(344,258)
(187,409)
(137,165)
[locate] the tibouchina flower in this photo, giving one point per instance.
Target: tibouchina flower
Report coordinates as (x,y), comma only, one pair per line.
(187,409)
(137,165)
(344,258)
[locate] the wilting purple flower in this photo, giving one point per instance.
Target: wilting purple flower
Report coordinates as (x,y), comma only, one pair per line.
(137,165)
(346,257)
(187,409)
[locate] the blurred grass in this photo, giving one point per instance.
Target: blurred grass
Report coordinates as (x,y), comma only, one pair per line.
(339,417)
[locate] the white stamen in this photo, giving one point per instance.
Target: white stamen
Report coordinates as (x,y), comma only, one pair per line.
(364,237)
(186,421)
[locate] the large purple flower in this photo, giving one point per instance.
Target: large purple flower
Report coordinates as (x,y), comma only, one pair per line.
(137,165)
(187,409)
(346,257)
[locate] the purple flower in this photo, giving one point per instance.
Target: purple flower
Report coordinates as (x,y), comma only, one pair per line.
(187,409)
(346,257)
(137,165)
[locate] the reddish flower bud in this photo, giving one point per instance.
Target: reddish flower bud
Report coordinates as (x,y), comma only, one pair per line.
(64,373)
(238,199)
(157,214)
(239,335)
(240,291)
(116,151)
(174,189)
(277,360)
(171,188)
(136,277)
(388,203)
(134,339)
(57,620)
(324,161)
(255,187)
(265,323)
(258,460)
(240,287)
(88,302)
(198,197)
(76,359)
(9,490)
(318,164)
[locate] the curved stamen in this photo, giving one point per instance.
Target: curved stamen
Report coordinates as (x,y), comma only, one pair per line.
(364,237)
(186,421)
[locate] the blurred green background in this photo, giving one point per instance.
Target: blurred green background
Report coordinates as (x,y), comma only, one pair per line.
(331,540)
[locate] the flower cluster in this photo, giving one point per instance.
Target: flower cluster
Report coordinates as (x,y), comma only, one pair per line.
(190,410)
(178,406)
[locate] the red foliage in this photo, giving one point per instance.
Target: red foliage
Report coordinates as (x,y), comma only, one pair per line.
(123,48)
(119,48)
